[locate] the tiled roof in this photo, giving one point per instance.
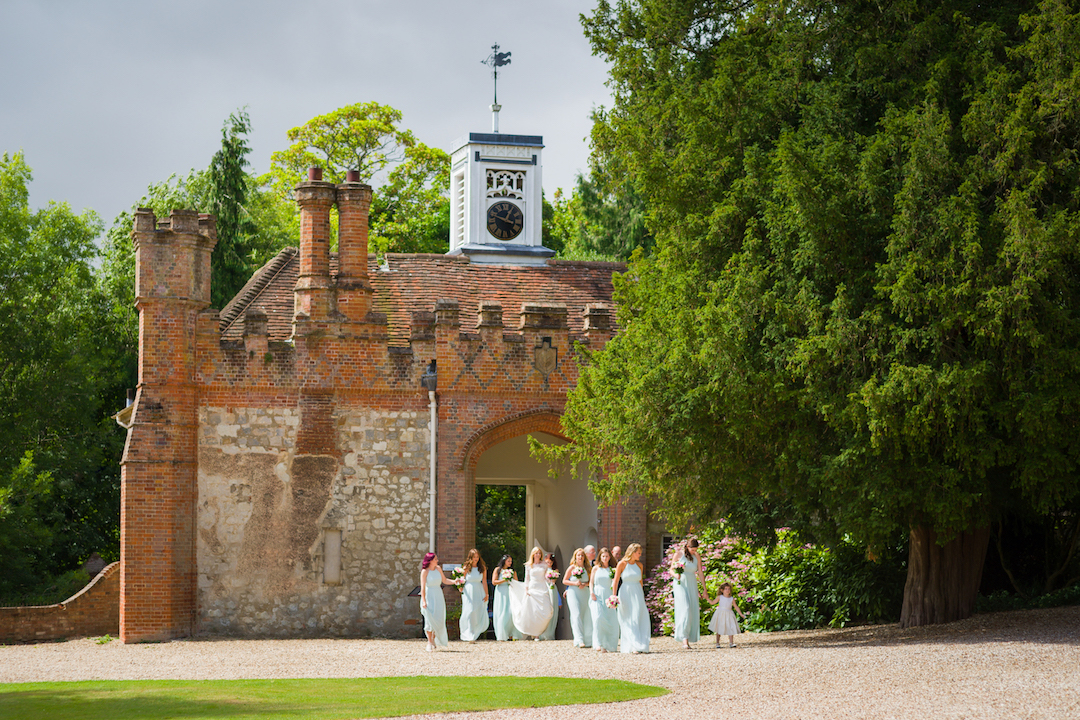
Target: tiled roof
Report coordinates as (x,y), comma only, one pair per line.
(410,282)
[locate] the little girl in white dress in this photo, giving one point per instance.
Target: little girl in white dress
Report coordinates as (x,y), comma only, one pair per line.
(723,619)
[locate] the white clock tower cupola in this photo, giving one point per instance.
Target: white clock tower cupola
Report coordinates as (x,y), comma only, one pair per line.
(496,194)
(496,201)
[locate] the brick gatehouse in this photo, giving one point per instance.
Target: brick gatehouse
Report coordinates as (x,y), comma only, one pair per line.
(278,470)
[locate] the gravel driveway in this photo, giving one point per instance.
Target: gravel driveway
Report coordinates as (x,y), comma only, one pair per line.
(1002,665)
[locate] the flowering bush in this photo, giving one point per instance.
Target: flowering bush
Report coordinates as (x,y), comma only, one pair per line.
(789,585)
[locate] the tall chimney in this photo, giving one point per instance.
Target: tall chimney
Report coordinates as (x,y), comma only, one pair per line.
(354,286)
(312,293)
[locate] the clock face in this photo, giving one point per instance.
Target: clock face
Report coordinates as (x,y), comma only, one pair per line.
(504,220)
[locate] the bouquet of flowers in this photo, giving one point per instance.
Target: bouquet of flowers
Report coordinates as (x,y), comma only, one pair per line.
(611,573)
(678,567)
(457,575)
(578,574)
(552,575)
(612,602)
(506,574)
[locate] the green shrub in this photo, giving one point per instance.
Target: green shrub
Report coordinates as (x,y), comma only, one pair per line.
(50,591)
(790,584)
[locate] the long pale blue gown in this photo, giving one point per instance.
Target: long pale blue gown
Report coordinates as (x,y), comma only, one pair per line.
(687,608)
(474,617)
(577,608)
(634,626)
(605,620)
(501,616)
(435,612)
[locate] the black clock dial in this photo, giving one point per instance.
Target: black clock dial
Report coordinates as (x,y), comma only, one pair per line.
(504,220)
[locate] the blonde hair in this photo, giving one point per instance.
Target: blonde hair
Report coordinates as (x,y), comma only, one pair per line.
(532,554)
(585,564)
(630,550)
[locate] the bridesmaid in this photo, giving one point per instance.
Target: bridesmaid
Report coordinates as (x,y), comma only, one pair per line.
(605,620)
(502,617)
(474,598)
(634,625)
(432,605)
(685,588)
(576,580)
(556,600)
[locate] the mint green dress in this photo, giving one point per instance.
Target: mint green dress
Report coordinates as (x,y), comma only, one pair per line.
(577,609)
(501,615)
(435,612)
(635,627)
(605,620)
(687,608)
(474,614)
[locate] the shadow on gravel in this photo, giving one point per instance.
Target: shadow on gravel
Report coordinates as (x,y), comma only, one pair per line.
(1054,626)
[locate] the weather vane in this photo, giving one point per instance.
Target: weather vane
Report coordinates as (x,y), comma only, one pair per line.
(495,61)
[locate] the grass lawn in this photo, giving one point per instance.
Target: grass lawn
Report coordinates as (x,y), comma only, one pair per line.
(310,699)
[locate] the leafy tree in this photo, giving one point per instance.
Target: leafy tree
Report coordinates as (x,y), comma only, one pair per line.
(612,221)
(411,210)
(363,137)
(862,314)
(500,522)
(238,254)
(252,223)
(61,377)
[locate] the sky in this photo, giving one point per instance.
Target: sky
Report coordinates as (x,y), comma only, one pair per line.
(106,97)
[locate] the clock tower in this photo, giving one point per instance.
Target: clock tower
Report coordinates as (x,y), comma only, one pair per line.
(496,206)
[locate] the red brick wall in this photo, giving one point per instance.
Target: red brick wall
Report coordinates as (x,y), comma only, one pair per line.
(158,469)
(94,610)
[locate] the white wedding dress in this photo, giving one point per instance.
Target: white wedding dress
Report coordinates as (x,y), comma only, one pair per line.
(530,603)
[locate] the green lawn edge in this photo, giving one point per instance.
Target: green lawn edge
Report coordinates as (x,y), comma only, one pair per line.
(309,698)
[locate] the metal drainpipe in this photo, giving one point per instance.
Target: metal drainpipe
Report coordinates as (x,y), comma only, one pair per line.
(432,424)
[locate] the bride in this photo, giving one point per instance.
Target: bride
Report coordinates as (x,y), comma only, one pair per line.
(530,603)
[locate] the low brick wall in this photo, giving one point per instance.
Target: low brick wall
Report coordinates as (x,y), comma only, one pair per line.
(94,610)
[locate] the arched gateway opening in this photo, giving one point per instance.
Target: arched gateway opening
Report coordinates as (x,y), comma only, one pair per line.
(561,512)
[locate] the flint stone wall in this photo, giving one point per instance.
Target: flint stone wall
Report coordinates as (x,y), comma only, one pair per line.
(263,512)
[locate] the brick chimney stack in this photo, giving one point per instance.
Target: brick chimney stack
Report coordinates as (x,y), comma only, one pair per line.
(353,284)
(313,289)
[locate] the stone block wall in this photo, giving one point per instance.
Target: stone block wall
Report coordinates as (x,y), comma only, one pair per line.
(264,511)
(94,610)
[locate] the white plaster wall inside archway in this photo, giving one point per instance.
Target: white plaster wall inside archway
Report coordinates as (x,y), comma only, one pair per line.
(561,512)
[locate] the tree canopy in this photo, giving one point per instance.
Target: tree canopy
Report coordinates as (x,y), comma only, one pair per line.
(62,374)
(410,210)
(862,313)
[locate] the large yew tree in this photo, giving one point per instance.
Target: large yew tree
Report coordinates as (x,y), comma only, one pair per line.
(863,314)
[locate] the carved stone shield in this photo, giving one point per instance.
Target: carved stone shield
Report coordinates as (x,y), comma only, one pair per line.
(545,358)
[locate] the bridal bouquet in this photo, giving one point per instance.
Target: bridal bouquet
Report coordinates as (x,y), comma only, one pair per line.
(507,574)
(552,575)
(612,602)
(457,575)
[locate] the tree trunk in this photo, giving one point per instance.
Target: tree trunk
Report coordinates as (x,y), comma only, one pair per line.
(942,580)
